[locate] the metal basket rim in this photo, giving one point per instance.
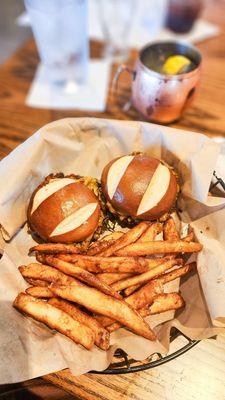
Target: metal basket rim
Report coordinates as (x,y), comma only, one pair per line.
(151,364)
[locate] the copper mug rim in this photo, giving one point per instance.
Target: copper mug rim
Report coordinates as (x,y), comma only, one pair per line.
(158,75)
(170,48)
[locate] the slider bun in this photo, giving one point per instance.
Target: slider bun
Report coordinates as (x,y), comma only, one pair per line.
(63,210)
(139,186)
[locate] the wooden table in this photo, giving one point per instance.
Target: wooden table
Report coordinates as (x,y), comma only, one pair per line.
(200,372)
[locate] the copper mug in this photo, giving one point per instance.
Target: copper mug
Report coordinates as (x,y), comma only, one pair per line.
(162,98)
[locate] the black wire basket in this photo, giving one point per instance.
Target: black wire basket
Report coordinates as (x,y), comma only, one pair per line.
(123,364)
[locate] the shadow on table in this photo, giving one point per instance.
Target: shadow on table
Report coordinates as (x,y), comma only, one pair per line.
(33,390)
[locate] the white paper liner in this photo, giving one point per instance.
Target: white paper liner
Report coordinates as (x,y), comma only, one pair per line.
(83,146)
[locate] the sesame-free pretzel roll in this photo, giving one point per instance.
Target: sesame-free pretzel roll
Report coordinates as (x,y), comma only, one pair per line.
(139,186)
(63,209)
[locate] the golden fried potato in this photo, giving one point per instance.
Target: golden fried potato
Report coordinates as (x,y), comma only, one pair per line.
(100,303)
(55,319)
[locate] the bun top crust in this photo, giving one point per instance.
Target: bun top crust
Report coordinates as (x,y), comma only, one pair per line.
(144,187)
(63,210)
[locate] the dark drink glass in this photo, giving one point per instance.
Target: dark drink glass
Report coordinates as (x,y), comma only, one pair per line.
(182,14)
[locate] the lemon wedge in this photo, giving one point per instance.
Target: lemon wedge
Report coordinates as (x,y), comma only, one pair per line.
(175,65)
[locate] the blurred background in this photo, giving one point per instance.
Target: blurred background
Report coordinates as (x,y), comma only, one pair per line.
(14,25)
(141,20)
(62,29)
(11,35)
(80,45)
(75,61)
(150,15)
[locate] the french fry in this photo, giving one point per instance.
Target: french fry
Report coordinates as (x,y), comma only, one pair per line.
(148,236)
(99,246)
(104,243)
(146,276)
(100,303)
(131,289)
(165,302)
(150,233)
(101,334)
(82,275)
(40,292)
(189,237)
(159,247)
(40,257)
(128,291)
(110,278)
(144,297)
(45,273)
(176,273)
(112,236)
(56,248)
(36,282)
(55,319)
(170,231)
(129,237)
(162,302)
(98,264)
(104,321)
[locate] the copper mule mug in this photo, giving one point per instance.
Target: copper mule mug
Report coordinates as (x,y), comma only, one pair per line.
(162,98)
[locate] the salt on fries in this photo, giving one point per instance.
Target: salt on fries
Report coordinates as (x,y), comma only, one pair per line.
(117,281)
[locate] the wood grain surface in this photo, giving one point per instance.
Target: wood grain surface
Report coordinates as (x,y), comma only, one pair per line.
(196,375)
(200,373)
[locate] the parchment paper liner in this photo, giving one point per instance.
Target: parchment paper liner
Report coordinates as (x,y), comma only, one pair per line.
(84,146)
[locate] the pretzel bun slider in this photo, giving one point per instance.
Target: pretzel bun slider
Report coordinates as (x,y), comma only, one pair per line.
(139,186)
(63,209)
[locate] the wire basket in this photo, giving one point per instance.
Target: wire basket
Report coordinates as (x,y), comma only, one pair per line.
(123,364)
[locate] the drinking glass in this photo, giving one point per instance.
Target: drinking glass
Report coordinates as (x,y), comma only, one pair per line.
(116,20)
(61,34)
(182,14)
(152,14)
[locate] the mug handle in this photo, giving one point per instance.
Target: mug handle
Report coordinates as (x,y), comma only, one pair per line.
(122,68)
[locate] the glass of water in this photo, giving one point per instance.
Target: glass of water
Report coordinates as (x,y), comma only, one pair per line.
(116,20)
(61,34)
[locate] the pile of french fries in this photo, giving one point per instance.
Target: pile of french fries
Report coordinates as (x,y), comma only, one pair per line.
(116,282)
